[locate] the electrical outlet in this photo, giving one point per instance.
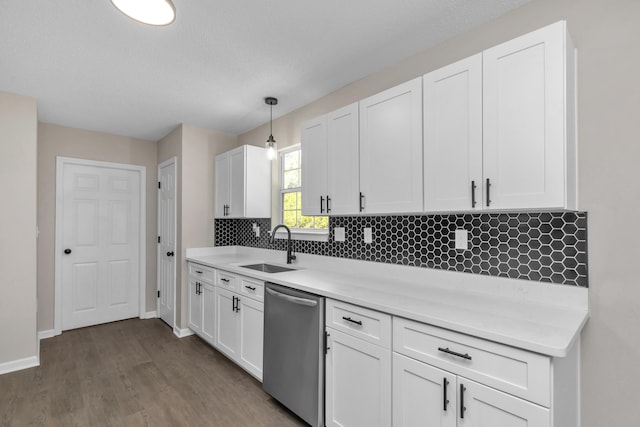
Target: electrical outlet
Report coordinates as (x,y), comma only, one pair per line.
(462,239)
(368,235)
(338,234)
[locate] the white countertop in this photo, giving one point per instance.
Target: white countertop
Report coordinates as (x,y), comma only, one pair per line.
(541,317)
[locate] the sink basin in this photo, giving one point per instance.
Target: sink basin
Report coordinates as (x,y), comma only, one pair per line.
(268,268)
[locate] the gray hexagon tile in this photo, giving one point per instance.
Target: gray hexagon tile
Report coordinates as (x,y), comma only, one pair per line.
(547,247)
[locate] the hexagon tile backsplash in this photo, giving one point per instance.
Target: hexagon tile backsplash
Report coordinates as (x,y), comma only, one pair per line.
(547,247)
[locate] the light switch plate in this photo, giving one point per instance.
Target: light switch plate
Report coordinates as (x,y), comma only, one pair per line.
(462,239)
(368,235)
(338,234)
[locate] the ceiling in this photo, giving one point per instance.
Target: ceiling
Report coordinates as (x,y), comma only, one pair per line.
(91,67)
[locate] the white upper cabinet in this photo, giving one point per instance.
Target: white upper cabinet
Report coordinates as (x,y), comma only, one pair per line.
(529,121)
(453,137)
(391,150)
(243,183)
(313,136)
(330,177)
(343,177)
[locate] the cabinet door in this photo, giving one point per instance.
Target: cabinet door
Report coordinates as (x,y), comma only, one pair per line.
(221,172)
(487,407)
(343,171)
(358,382)
(195,306)
(313,136)
(391,150)
(524,113)
(453,137)
(208,297)
(226,323)
(422,395)
(237,187)
(251,335)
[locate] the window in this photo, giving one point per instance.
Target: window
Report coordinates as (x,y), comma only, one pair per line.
(291,195)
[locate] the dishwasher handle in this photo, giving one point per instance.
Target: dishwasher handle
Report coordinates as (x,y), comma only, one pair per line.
(290,298)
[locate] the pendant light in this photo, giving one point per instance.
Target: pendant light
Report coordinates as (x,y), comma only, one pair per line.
(271,142)
(152,12)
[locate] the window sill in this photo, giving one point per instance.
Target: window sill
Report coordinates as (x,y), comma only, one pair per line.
(300,234)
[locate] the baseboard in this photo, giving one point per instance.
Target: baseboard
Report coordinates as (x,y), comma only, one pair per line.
(43,335)
(149,315)
(181,333)
(18,365)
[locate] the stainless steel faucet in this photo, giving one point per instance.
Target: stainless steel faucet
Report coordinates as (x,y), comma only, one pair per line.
(290,255)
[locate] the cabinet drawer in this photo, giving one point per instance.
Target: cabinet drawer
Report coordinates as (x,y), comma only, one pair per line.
(227,280)
(369,325)
(252,288)
(509,369)
(202,273)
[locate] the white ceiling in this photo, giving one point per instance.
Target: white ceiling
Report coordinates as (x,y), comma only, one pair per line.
(91,67)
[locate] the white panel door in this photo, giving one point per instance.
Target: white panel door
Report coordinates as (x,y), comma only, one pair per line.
(453,137)
(358,382)
(208,313)
(226,323)
(313,136)
(391,150)
(237,183)
(100,238)
(167,241)
(195,305)
(487,407)
(251,335)
(524,129)
(422,395)
(222,185)
(343,171)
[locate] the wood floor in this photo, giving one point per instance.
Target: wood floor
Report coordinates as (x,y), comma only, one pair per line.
(135,373)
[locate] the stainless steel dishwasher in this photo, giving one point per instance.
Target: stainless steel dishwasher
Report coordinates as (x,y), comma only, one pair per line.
(293,361)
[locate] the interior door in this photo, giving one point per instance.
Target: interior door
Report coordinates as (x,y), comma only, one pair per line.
(167,241)
(99,236)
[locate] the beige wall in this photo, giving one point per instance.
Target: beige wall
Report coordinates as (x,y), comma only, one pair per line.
(606,34)
(53,141)
(18,251)
(195,148)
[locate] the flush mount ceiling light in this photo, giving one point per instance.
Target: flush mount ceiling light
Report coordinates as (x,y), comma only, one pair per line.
(152,12)
(271,142)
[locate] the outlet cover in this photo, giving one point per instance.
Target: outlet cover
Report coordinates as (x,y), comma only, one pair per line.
(462,239)
(338,234)
(368,235)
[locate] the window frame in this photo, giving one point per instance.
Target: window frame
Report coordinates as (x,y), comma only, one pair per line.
(321,234)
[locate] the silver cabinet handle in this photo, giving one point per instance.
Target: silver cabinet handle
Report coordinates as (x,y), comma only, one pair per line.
(290,298)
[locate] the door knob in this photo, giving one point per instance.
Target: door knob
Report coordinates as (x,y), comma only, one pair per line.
(67,251)
(170,253)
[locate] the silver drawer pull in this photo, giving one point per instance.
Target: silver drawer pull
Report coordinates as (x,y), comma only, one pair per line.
(454,353)
(349,319)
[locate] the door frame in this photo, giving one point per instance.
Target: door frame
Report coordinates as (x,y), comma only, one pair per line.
(142,275)
(167,162)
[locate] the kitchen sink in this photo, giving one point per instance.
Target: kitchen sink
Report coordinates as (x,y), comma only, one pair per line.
(268,268)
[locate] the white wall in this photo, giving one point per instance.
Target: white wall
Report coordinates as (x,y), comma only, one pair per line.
(606,33)
(18,251)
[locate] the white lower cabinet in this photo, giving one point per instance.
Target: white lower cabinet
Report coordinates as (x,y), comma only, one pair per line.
(447,379)
(201,318)
(358,372)
(239,328)
(422,394)
(358,382)
(427,396)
